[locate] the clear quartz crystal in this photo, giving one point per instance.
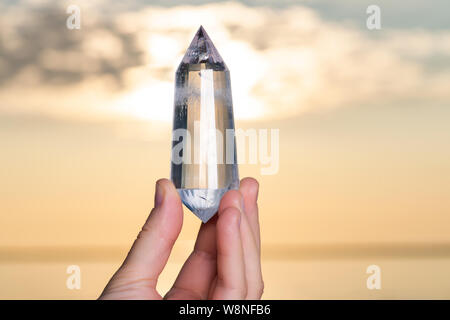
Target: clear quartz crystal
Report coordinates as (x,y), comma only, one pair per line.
(203,107)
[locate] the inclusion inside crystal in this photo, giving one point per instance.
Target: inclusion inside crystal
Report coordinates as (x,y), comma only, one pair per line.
(203,109)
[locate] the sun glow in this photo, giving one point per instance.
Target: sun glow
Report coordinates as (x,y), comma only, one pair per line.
(149,101)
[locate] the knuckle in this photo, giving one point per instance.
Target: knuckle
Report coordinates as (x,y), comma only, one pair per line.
(261,288)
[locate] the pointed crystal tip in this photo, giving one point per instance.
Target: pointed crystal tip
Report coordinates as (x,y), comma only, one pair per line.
(204,203)
(202,50)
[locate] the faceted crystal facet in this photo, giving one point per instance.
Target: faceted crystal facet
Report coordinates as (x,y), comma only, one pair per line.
(203,136)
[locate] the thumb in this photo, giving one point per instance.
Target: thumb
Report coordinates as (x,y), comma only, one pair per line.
(151,249)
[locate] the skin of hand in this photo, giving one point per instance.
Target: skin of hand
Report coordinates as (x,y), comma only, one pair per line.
(224,264)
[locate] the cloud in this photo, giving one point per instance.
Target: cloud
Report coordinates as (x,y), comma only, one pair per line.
(283,61)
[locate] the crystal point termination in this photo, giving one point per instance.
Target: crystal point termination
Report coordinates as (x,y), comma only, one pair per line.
(204,112)
(202,50)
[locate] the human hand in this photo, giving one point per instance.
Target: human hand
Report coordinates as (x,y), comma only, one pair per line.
(225,262)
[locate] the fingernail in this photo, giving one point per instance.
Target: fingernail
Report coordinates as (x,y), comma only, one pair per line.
(159,195)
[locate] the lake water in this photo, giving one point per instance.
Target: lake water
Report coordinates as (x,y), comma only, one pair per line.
(401,278)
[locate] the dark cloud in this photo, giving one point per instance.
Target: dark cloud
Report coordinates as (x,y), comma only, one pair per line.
(43,29)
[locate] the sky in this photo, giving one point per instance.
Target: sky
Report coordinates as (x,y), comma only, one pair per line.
(128,57)
(363,116)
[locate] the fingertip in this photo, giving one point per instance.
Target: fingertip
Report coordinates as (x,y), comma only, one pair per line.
(250,188)
(229,220)
(250,181)
(165,184)
(168,212)
(165,188)
(159,193)
(234,199)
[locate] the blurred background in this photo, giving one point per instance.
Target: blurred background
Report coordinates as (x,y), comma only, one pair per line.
(364,118)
